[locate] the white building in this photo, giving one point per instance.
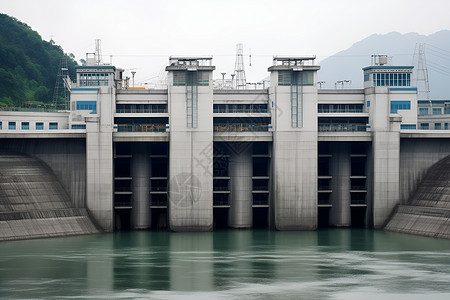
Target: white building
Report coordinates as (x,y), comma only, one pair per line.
(191,157)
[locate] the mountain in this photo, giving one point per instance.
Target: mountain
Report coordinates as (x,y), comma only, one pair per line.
(400,48)
(28,65)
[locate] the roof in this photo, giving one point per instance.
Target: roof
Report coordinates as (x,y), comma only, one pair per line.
(388,67)
(95,67)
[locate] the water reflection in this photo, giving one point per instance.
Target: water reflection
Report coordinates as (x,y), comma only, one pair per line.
(228,264)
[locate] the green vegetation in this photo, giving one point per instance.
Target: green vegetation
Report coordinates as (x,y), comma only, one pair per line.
(28,65)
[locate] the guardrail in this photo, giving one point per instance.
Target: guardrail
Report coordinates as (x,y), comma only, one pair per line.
(240,127)
(141,128)
(342,127)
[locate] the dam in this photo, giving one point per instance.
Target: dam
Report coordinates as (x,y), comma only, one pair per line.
(201,154)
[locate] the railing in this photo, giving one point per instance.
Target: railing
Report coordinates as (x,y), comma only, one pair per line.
(261,202)
(220,202)
(122,189)
(93,82)
(340,110)
(324,202)
(141,110)
(357,188)
(260,188)
(158,189)
(359,201)
(30,109)
(324,188)
(122,203)
(240,110)
(141,128)
(240,127)
(342,127)
(220,188)
(162,202)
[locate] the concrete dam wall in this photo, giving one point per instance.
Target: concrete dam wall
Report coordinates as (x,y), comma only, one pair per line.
(428,210)
(34,204)
(66,158)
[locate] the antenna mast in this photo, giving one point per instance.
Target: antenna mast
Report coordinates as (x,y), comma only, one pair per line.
(98,52)
(420,73)
(60,92)
(239,67)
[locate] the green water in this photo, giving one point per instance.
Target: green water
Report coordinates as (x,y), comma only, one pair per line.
(229,264)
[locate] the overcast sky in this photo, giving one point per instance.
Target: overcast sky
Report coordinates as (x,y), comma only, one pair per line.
(141,35)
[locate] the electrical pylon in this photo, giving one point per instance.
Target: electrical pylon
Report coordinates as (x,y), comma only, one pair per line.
(239,67)
(420,73)
(61,93)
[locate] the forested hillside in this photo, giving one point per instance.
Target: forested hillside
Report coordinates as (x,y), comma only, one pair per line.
(28,65)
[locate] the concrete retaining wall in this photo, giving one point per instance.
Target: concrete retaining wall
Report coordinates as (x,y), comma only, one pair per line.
(416,157)
(34,204)
(428,210)
(66,158)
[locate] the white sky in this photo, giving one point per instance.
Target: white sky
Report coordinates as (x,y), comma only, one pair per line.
(141,35)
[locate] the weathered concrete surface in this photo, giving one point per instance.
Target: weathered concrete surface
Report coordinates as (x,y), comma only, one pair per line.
(34,204)
(428,210)
(66,158)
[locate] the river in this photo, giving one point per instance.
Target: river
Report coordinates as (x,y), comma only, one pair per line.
(228,264)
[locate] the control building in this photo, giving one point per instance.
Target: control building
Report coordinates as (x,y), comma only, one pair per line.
(194,158)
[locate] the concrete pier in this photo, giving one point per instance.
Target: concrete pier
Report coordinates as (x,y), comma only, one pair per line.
(240,169)
(140,171)
(340,214)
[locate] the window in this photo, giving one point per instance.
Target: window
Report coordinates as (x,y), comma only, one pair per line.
(445,126)
(408,126)
(87,105)
(402,105)
(295,78)
(368,103)
(12,125)
(392,79)
(366,77)
(284,77)
(0,125)
(203,77)
(39,125)
(25,125)
(78,126)
(437,111)
(305,78)
(179,78)
(437,126)
(424,126)
(423,111)
(93,79)
(53,125)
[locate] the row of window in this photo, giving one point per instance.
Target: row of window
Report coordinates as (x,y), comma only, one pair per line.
(390,79)
(240,108)
(402,105)
(93,79)
(341,108)
(87,105)
(12,125)
(435,111)
(437,126)
(295,78)
(141,108)
(191,78)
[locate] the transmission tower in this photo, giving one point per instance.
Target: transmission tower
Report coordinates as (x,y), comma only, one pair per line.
(98,52)
(61,93)
(239,67)
(420,74)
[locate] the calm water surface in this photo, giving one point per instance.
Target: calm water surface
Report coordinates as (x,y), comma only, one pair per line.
(231,264)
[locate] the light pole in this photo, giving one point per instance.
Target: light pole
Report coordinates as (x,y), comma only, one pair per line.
(132,73)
